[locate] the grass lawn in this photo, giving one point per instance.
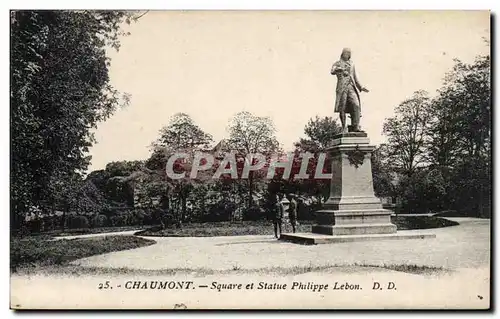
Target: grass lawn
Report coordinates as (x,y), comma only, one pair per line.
(265,227)
(421,222)
(452,213)
(236,228)
(33,251)
(236,270)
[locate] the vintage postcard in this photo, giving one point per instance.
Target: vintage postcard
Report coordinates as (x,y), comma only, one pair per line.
(250,159)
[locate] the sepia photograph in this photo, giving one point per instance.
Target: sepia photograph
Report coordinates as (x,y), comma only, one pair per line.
(251,159)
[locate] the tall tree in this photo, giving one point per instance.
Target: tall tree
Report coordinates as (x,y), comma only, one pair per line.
(383,179)
(250,134)
(442,147)
(180,135)
(461,143)
(444,139)
(60,90)
(471,85)
(320,133)
(407,141)
(407,133)
(71,193)
(116,182)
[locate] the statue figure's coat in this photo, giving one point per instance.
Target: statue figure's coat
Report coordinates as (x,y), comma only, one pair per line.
(346,79)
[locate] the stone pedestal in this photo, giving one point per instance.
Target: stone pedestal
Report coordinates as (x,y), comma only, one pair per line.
(352,212)
(352,208)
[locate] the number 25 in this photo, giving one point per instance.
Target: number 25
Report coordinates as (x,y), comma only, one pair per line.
(104,286)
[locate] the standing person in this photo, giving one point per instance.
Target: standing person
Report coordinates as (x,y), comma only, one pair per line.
(278,215)
(292,211)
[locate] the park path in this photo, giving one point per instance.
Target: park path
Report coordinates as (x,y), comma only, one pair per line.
(464,246)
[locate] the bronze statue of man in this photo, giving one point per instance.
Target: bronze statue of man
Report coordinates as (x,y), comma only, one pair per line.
(348,89)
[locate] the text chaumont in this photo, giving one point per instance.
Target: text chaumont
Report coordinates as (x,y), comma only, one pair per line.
(137,284)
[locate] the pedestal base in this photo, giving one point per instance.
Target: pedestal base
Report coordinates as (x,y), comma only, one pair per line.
(354,222)
(352,208)
(315,239)
(387,228)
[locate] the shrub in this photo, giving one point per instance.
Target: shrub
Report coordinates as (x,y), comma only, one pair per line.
(139,216)
(305,211)
(34,225)
(254,213)
(160,216)
(51,223)
(147,220)
(99,221)
(78,222)
(135,217)
(219,212)
(118,220)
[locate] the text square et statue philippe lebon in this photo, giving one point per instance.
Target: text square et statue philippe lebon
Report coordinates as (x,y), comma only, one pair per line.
(352,207)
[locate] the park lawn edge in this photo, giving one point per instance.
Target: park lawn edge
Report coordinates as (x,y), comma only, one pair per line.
(265,227)
(77,270)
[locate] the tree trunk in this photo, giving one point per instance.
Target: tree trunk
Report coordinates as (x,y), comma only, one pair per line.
(178,210)
(184,207)
(480,211)
(63,223)
(17,216)
(250,189)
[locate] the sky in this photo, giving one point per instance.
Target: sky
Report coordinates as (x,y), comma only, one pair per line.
(214,64)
